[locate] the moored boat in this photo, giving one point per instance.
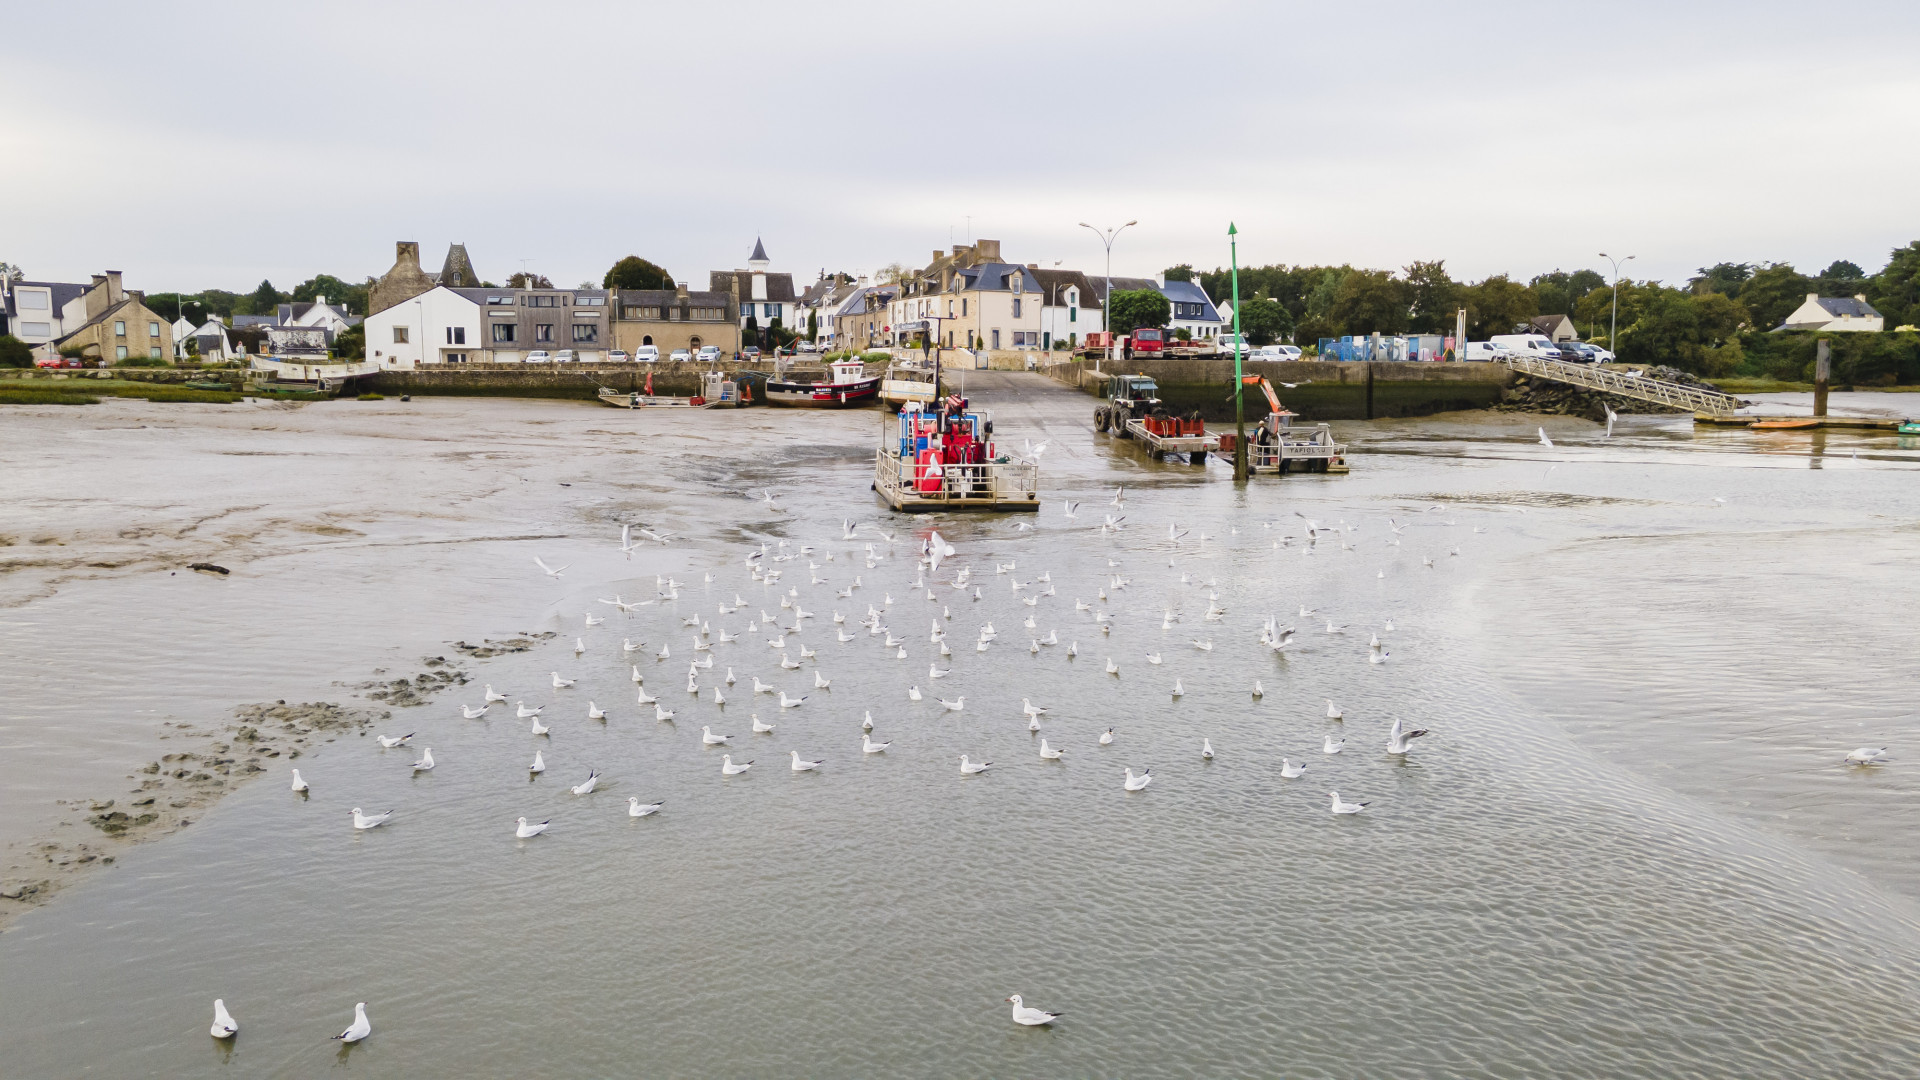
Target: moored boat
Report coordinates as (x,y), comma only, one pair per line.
(847,384)
(910,382)
(716,392)
(1786,423)
(1910,427)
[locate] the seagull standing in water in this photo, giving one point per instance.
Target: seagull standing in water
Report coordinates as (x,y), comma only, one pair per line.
(1139,783)
(1346,807)
(224,1025)
(1868,755)
(362,821)
(528,830)
(359,1029)
(1031,1017)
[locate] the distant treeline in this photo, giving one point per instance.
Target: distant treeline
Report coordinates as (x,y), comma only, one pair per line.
(1712,325)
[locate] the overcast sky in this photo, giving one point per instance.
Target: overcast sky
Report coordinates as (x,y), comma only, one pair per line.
(210,145)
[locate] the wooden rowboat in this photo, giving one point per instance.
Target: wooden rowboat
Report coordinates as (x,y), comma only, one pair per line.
(1785,424)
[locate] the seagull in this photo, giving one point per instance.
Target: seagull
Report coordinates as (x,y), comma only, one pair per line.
(1334,712)
(560,683)
(793,703)
(359,1029)
(1031,1017)
(934,671)
(728,768)
(710,739)
(1868,755)
(1153,658)
(662,714)
(493,695)
(1206,749)
(761,727)
(538,727)
(580,644)
(1178,690)
(760,687)
(551,572)
(1031,709)
(1033,723)
(1333,746)
(1258,690)
(473,714)
(1346,807)
(528,830)
(820,683)
(800,765)
(539,763)
(1112,668)
(1072,508)
(224,1025)
(298,784)
(868,746)
(1106,737)
(585,787)
(425,764)
(636,808)
(1139,783)
(1379,656)
(955,705)
(362,821)
(646,698)
(1611,417)
(391,741)
(1289,770)
(913,693)
(866,722)
(1049,753)
(1544,441)
(1400,740)
(968,768)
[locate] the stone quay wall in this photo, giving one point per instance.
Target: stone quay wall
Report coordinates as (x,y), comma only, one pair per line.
(1323,390)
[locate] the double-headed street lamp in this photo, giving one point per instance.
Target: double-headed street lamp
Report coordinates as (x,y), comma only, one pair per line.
(1613,321)
(1107,316)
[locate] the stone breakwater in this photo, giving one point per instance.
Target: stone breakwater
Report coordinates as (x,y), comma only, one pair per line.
(1316,390)
(1529,394)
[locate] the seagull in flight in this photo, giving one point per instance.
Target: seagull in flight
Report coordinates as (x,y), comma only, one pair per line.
(1544,441)
(551,572)
(1400,740)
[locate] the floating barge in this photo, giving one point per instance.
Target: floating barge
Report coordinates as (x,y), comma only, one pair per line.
(716,392)
(1163,435)
(1798,423)
(944,460)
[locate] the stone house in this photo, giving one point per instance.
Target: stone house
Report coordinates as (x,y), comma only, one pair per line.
(863,320)
(760,297)
(969,299)
(674,319)
(118,324)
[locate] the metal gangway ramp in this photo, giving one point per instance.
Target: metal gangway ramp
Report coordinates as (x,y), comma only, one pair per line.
(1640,388)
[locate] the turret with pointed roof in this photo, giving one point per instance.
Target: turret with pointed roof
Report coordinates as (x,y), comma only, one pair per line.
(758,261)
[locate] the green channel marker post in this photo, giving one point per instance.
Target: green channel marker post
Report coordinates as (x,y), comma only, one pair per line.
(1239,414)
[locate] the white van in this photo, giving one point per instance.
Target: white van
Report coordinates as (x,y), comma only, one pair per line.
(646,354)
(1484,350)
(1534,345)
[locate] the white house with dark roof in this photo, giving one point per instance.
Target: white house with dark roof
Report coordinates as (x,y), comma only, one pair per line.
(1829,313)
(41,312)
(439,326)
(332,318)
(764,297)
(1188,305)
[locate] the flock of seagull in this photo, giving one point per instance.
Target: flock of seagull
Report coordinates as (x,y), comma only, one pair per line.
(938,593)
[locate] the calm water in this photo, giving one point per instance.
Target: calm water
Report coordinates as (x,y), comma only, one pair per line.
(1627,848)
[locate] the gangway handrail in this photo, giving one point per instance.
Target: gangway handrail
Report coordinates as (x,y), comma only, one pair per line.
(1641,388)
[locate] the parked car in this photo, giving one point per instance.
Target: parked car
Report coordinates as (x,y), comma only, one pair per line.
(807,346)
(1483,350)
(709,354)
(564,356)
(539,356)
(646,354)
(680,356)
(1276,352)
(1578,352)
(618,356)
(750,353)
(1600,355)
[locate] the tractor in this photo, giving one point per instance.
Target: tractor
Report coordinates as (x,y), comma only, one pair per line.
(1128,397)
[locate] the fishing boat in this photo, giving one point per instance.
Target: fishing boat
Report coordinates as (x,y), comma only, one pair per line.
(944,459)
(293,390)
(910,382)
(207,384)
(1910,427)
(716,392)
(847,384)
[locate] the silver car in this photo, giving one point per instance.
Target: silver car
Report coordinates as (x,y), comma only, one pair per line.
(680,356)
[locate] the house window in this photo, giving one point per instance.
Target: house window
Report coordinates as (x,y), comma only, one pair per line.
(456,335)
(590,301)
(153,352)
(153,329)
(120,352)
(36,301)
(1016,307)
(505,332)
(586,333)
(963,307)
(1073,314)
(456,358)
(36,329)
(540,301)
(400,335)
(647,340)
(949,315)
(120,329)
(996,337)
(543,332)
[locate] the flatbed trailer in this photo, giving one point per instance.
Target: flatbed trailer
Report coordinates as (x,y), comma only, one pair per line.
(1163,437)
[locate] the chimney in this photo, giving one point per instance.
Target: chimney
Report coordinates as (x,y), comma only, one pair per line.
(989,250)
(320,300)
(680,290)
(1160,279)
(937,255)
(1862,297)
(407,253)
(1812,297)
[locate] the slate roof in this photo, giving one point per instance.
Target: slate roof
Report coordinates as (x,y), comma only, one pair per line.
(1055,283)
(779,286)
(759,252)
(1838,306)
(61,293)
(1189,292)
(997,277)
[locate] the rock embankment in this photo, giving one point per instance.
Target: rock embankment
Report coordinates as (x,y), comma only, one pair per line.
(1532,394)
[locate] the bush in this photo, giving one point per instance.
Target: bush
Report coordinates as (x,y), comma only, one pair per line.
(14,352)
(371,397)
(142,361)
(1858,358)
(876,357)
(45,396)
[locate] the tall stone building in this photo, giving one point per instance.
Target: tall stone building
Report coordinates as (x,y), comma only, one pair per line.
(457,272)
(404,282)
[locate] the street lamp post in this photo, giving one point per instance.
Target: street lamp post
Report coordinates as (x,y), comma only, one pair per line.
(1239,414)
(1613,321)
(1107,317)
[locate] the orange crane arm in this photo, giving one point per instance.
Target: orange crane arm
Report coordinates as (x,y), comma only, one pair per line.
(1273,399)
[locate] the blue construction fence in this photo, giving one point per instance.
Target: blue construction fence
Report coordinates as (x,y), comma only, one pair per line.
(1410,347)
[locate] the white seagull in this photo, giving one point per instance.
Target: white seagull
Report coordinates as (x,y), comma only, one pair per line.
(551,571)
(525,713)
(636,808)
(595,712)
(585,787)
(1333,746)
(1139,783)
(801,765)
(955,705)
(968,768)
(298,784)
(493,695)
(1544,441)
(391,741)
(791,703)
(1106,737)
(1032,1017)
(1289,770)
(1400,740)
(425,764)
(539,763)
(761,727)
(728,768)
(1049,753)
(1346,807)
(527,830)
(224,1025)
(1867,755)
(868,746)
(359,1029)
(708,738)
(1206,750)
(362,821)
(1334,712)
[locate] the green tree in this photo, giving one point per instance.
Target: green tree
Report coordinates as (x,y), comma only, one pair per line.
(1691,332)
(1433,297)
(351,343)
(263,300)
(813,325)
(351,297)
(523,280)
(1772,293)
(1841,278)
(1264,321)
(1137,308)
(1724,278)
(1371,301)
(1183,272)
(1497,305)
(1895,290)
(634,272)
(14,352)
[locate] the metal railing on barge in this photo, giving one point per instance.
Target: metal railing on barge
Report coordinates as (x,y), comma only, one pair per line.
(908,485)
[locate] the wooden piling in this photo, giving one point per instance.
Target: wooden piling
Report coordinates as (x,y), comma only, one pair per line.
(1822,371)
